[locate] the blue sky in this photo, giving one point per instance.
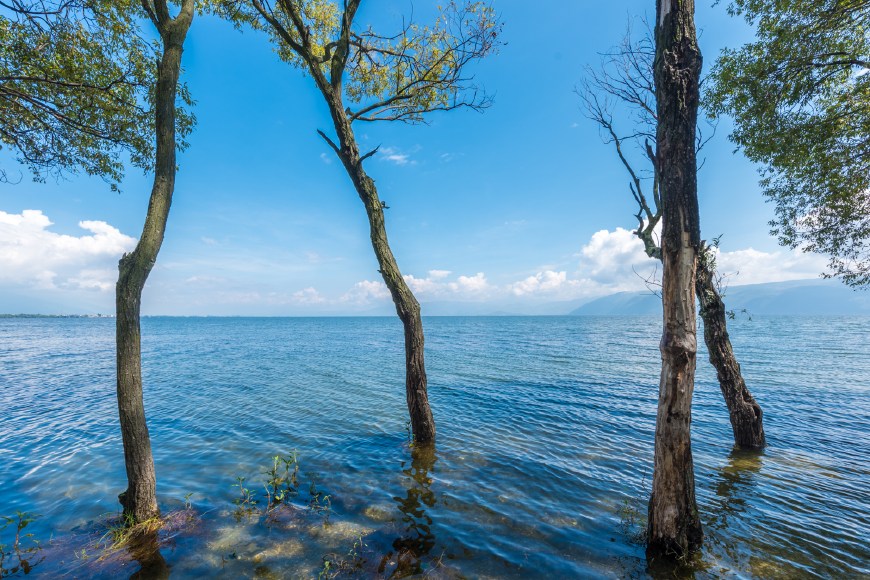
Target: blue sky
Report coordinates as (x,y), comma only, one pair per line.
(514,209)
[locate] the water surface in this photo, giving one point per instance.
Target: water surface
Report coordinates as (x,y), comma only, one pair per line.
(545,440)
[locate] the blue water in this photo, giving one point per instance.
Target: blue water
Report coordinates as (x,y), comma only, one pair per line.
(544,454)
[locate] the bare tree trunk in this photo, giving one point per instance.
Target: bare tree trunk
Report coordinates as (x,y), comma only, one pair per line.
(407,307)
(744,412)
(627,76)
(674,526)
(139,501)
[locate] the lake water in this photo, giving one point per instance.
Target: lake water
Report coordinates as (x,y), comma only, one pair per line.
(544,454)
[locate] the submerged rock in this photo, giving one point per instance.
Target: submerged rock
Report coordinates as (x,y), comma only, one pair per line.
(379,513)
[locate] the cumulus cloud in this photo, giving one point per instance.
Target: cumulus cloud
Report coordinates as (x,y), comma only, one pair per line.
(32,256)
(615,259)
(546,281)
(437,285)
(365,292)
(439,274)
(474,285)
(308,296)
(752,266)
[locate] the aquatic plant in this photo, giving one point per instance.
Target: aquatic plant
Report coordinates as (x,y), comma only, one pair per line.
(320,502)
(18,555)
(353,562)
(282,480)
(281,484)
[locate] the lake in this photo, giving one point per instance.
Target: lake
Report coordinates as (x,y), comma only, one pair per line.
(542,466)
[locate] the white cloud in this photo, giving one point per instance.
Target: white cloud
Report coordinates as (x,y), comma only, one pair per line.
(308,296)
(612,258)
(438,274)
(475,285)
(395,155)
(752,266)
(546,281)
(437,285)
(365,292)
(326,158)
(33,256)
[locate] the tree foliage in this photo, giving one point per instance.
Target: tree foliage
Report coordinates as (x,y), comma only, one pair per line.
(800,98)
(76,87)
(393,77)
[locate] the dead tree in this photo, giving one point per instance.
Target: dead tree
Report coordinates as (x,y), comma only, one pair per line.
(626,79)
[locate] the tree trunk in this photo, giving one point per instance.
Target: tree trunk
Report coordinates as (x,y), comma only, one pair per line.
(407,307)
(674,528)
(744,412)
(139,501)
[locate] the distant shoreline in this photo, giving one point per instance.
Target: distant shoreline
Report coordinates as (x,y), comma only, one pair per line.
(57,316)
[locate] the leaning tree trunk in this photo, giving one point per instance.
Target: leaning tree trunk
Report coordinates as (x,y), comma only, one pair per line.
(674,528)
(139,501)
(407,307)
(744,412)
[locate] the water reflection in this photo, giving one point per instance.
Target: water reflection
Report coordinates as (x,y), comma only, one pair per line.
(732,481)
(145,549)
(411,548)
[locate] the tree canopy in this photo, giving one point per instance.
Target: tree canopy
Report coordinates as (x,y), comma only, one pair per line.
(76,87)
(800,98)
(383,77)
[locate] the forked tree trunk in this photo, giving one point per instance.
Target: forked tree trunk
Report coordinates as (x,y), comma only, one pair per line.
(407,307)
(139,501)
(674,528)
(744,412)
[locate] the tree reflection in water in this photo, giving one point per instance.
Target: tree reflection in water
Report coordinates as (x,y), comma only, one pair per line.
(416,541)
(732,484)
(732,481)
(145,549)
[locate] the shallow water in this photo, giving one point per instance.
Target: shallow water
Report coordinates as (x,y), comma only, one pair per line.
(545,436)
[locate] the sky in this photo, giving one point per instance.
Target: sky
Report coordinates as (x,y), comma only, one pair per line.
(522,208)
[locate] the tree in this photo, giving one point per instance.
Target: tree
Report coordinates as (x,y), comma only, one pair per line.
(674,528)
(140,498)
(76,81)
(800,98)
(626,77)
(364,76)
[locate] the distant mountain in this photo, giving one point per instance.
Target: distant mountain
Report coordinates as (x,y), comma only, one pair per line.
(795,297)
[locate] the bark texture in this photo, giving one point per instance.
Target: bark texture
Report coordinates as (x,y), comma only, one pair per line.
(347,149)
(744,412)
(674,526)
(407,307)
(139,500)
(624,78)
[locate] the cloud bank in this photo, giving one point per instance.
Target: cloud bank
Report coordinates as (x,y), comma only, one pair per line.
(34,257)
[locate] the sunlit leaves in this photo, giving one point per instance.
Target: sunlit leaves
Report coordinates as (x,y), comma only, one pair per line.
(423,68)
(400,76)
(75,87)
(800,96)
